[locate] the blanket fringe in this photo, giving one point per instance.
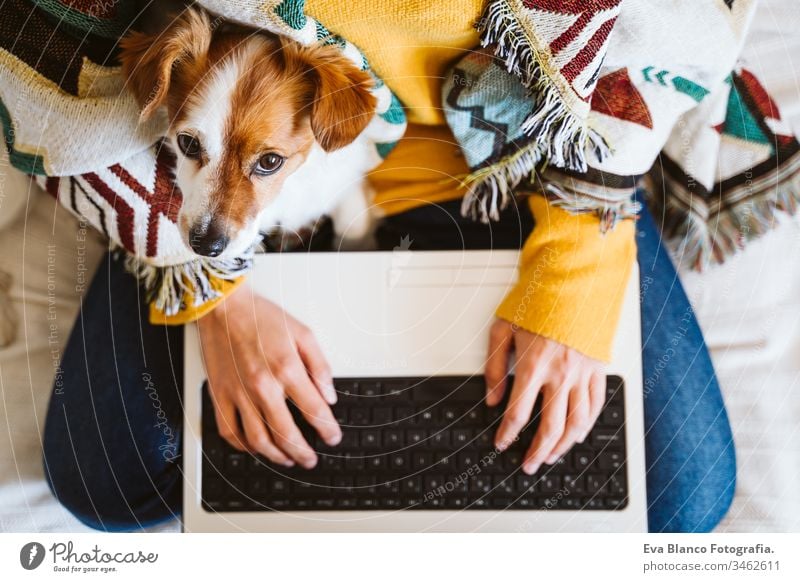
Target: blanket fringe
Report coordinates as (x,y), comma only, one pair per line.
(609,212)
(561,137)
(700,240)
(167,286)
(566,137)
(491,188)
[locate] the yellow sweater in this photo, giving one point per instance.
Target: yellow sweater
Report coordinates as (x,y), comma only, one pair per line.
(572,277)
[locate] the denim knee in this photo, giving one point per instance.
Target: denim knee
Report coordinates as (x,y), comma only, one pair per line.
(113,506)
(699,495)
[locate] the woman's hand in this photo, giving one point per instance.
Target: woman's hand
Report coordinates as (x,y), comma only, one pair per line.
(256,356)
(573,387)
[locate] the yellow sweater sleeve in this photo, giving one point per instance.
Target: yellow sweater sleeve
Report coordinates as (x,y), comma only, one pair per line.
(572,279)
(189,312)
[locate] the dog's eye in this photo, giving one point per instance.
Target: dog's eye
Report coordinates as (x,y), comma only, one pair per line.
(190,145)
(269,164)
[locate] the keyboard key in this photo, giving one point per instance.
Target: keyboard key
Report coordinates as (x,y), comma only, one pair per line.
(476,416)
(398,461)
(574,483)
(375,463)
(371,439)
(340,414)
(612,415)
(467,461)
(592,503)
(404,414)
(353,462)
(526,483)
(359,416)
(461,437)
(367,484)
(440,440)
(582,461)
(480,484)
(504,484)
(213,488)
(393,439)
(484,440)
(571,503)
(595,483)
(235,462)
(369,389)
(415,436)
(444,461)
(602,437)
(395,387)
(342,483)
(449,414)
(411,485)
(427,416)
(421,460)
(331,462)
(549,483)
(382,415)
(512,460)
(257,487)
(616,485)
(391,487)
(433,482)
(615,502)
(279,486)
(611,460)
(349,439)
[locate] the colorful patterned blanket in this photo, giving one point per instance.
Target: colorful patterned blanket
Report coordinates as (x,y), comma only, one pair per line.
(584,101)
(588,100)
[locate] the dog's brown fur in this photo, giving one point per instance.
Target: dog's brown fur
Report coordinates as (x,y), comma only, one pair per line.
(290,96)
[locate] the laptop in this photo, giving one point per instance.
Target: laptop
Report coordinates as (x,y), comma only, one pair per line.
(406,334)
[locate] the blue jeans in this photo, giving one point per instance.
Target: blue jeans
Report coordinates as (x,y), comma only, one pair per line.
(113,428)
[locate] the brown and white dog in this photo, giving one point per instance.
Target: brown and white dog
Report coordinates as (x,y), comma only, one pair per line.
(263,127)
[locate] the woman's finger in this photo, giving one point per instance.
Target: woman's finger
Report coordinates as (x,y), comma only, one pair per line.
(283,429)
(551,428)
(527,383)
(227,422)
(577,420)
(257,435)
(313,408)
(315,362)
(496,372)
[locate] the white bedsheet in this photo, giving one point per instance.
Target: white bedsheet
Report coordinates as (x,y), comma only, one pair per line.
(749,309)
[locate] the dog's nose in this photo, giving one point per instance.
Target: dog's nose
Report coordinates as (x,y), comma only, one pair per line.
(207,238)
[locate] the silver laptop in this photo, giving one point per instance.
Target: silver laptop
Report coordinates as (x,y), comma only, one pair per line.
(388,317)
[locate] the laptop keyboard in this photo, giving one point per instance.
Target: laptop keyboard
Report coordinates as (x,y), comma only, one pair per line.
(420,443)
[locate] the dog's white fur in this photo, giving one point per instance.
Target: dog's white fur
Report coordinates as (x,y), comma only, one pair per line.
(326,183)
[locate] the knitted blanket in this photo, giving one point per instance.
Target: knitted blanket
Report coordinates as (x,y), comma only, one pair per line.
(586,101)
(582,101)
(69,122)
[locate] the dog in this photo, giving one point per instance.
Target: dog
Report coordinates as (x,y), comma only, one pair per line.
(264,128)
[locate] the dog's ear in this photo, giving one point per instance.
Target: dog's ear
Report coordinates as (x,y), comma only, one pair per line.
(147,60)
(342,104)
